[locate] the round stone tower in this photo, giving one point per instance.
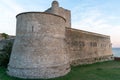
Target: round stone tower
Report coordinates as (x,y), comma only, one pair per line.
(39,50)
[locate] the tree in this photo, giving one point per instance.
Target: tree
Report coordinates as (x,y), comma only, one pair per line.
(5,36)
(5,56)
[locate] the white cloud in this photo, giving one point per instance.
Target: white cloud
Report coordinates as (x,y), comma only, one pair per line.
(9,9)
(92,19)
(12,5)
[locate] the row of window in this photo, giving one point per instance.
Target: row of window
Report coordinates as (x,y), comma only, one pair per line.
(93,44)
(82,44)
(78,43)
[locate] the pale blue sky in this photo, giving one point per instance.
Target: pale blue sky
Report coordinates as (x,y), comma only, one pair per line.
(100,16)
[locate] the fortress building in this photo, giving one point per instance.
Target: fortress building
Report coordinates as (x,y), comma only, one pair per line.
(45,45)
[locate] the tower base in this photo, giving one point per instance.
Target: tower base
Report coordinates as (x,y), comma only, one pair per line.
(37,73)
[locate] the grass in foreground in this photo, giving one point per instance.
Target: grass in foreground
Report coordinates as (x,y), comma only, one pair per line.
(98,71)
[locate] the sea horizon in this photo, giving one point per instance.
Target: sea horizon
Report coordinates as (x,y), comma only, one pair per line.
(116,51)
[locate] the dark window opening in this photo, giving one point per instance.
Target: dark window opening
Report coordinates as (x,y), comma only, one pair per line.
(93,44)
(32,28)
(81,44)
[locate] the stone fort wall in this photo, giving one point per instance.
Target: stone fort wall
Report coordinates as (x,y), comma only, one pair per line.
(4,41)
(86,47)
(46,45)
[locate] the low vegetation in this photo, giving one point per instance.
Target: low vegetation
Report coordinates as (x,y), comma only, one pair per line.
(99,71)
(5,54)
(5,36)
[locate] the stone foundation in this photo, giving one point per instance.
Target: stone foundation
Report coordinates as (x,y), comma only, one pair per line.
(91,60)
(41,72)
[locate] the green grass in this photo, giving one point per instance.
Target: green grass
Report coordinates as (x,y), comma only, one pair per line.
(99,71)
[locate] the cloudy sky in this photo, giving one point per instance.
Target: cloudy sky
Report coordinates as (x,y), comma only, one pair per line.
(100,16)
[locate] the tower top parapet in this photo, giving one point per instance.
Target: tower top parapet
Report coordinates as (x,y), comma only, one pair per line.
(55,3)
(57,10)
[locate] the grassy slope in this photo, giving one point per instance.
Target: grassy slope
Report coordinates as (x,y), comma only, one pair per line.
(99,71)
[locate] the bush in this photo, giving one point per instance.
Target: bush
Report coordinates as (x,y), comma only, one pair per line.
(5,36)
(5,55)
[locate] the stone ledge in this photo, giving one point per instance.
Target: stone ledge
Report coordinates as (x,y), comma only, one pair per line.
(91,60)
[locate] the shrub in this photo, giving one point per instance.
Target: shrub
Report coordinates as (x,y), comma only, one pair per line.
(5,36)
(5,55)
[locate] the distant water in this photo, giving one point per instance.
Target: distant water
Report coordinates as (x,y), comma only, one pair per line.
(116,52)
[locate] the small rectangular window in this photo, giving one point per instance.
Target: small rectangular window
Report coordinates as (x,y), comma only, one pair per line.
(32,28)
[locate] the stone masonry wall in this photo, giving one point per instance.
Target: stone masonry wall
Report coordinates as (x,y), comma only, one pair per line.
(86,47)
(4,42)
